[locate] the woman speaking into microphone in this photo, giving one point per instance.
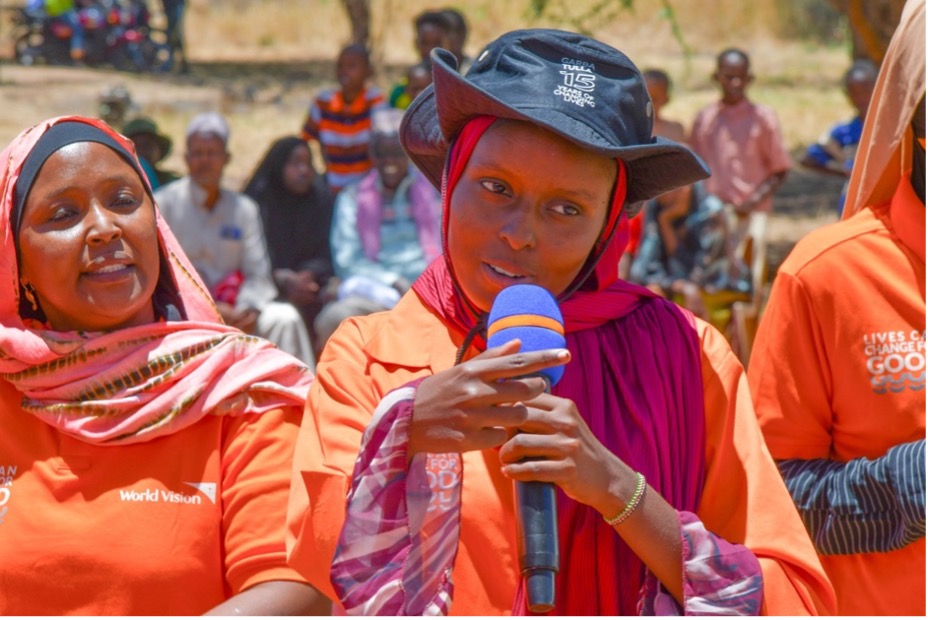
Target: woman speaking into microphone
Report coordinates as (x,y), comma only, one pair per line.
(667,501)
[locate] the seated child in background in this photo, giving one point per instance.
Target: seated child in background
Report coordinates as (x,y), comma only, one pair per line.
(339,118)
(659,86)
(686,254)
(385,231)
(834,152)
(418,76)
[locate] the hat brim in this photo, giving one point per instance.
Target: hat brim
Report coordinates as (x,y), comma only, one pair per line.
(437,115)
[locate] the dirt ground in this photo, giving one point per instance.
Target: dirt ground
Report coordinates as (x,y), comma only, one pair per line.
(262,101)
(266,100)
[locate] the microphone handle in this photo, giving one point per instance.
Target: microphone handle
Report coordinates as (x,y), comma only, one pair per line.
(536,532)
(537,536)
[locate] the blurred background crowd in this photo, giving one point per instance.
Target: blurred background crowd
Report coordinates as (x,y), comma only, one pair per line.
(283,117)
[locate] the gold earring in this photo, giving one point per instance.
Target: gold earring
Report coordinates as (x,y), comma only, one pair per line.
(29,292)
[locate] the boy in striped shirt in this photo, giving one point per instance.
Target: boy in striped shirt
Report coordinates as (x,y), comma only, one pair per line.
(340,118)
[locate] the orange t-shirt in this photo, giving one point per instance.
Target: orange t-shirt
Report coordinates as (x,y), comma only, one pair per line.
(838,372)
(173,526)
(744,499)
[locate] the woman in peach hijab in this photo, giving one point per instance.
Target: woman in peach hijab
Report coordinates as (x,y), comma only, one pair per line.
(838,368)
(145,447)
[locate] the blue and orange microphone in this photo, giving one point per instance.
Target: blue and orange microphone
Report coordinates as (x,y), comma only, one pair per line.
(531,314)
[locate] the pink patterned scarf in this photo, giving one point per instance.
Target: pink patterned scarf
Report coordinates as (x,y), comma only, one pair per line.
(636,378)
(135,384)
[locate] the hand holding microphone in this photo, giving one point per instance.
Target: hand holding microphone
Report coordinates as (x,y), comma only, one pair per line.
(470,406)
(554,446)
(477,404)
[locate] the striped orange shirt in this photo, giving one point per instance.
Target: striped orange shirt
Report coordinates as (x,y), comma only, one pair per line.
(343,131)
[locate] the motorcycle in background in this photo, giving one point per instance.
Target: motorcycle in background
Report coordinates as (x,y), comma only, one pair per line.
(117,33)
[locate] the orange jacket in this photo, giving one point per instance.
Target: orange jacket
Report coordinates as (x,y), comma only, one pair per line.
(838,371)
(744,499)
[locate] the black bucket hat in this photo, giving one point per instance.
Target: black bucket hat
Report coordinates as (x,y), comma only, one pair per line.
(581,89)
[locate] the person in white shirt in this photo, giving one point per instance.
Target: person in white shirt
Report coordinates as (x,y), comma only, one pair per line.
(220,231)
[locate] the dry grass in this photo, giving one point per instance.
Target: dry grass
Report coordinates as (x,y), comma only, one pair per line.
(798,79)
(315,28)
(226,38)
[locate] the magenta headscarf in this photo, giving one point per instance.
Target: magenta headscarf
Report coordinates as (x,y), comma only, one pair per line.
(636,377)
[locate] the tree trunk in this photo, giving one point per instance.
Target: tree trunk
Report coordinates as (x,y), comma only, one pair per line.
(359,13)
(872,23)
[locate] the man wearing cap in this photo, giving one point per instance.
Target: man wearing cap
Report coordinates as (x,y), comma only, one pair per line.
(152,147)
(220,231)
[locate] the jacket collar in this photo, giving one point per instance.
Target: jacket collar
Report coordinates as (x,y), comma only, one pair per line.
(435,345)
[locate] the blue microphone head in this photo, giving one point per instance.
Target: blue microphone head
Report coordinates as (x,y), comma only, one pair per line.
(531,314)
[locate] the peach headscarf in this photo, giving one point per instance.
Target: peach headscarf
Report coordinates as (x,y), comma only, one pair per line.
(134,384)
(885,151)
